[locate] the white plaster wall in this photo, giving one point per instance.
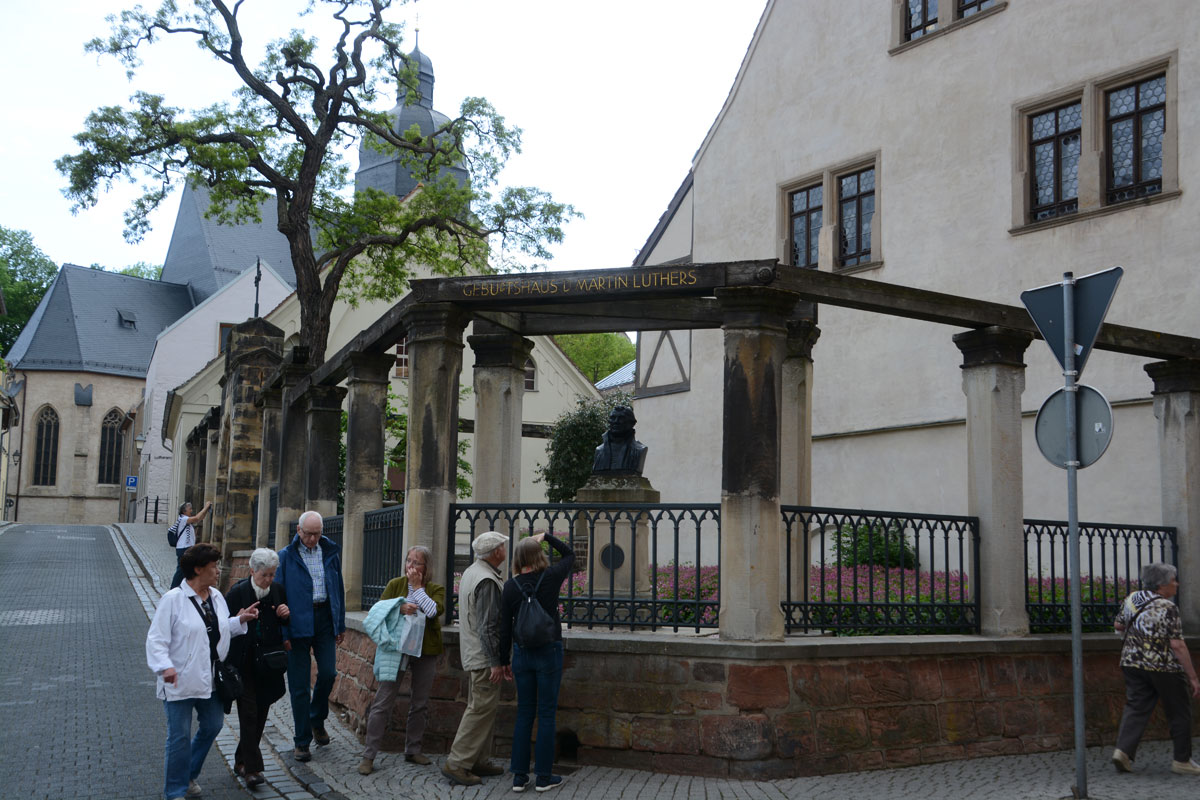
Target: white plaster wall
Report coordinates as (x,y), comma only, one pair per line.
(820,89)
(180,352)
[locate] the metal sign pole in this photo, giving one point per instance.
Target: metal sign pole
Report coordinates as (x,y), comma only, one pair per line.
(1071,392)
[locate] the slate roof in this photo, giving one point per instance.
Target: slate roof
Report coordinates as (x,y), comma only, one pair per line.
(619,377)
(208,255)
(95,321)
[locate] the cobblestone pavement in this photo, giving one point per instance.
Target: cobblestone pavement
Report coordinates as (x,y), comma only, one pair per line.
(332,773)
(80,719)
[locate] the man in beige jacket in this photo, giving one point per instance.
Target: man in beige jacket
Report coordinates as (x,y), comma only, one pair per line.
(479,645)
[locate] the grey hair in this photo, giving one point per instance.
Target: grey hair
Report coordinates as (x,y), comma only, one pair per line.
(1157,575)
(263,558)
(425,553)
(306,516)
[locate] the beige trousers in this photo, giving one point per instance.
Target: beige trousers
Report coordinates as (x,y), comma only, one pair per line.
(473,742)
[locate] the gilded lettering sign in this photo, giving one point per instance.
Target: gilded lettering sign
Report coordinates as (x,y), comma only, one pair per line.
(546,285)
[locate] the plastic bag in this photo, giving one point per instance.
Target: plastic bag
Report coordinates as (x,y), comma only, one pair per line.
(414,634)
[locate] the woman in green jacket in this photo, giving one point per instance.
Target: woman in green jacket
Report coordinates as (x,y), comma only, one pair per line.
(421,597)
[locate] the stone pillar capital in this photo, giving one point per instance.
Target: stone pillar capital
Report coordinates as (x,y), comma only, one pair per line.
(370,367)
(756,307)
(270,398)
(992,345)
(436,322)
(1177,375)
(324,398)
(802,334)
(505,350)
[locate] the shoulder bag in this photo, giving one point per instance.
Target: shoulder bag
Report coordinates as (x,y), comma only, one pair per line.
(227,681)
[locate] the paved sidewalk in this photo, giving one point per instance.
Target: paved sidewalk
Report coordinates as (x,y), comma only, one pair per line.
(332,775)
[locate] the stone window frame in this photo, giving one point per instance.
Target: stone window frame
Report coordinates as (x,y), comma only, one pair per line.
(111,444)
(224,331)
(1093,160)
(829,239)
(46,444)
(899,38)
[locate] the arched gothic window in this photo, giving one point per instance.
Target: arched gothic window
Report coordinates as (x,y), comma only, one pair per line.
(45,453)
(530,375)
(111,442)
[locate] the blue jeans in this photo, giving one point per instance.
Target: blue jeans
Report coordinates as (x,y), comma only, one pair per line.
(312,709)
(178,577)
(185,754)
(537,674)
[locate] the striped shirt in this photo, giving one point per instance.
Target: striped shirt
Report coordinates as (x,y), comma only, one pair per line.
(316,568)
(423,601)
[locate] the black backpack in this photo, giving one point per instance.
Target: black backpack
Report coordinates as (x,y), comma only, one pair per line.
(534,627)
(173,533)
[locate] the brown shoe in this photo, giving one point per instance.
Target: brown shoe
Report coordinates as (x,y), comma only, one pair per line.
(460,776)
(485,769)
(319,735)
(302,753)
(417,758)
(366,766)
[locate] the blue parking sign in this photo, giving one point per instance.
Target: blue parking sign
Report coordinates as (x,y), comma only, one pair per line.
(131,482)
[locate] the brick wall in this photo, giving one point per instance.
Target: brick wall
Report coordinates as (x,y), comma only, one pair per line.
(744,711)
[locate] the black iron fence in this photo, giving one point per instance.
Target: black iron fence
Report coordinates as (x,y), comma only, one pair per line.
(1111,558)
(383,551)
(638,566)
(879,572)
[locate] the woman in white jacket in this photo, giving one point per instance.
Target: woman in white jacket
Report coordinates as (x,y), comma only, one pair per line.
(189,622)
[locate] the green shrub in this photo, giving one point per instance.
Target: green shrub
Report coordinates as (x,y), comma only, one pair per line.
(871,543)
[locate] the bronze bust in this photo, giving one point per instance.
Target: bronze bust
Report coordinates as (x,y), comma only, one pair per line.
(620,453)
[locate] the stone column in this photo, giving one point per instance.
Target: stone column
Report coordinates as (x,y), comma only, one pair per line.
(293,447)
(751,527)
(435,344)
(993,379)
(499,390)
(252,356)
(368,385)
(213,438)
(323,428)
(1177,409)
(795,469)
(268,403)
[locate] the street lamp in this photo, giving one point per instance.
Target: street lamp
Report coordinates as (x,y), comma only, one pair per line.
(16,456)
(139,442)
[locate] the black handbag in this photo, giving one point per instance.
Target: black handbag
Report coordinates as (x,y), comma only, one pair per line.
(271,661)
(227,681)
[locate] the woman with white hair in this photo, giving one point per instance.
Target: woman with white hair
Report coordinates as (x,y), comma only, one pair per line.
(260,656)
(1156,664)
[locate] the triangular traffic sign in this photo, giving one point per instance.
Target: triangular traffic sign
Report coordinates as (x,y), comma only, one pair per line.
(1093,295)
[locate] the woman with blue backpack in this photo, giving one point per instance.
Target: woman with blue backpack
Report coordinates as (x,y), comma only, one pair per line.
(531,631)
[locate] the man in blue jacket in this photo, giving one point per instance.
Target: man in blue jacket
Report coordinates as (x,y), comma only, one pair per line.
(310,569)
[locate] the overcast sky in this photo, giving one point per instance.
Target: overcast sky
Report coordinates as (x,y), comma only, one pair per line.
(614,99)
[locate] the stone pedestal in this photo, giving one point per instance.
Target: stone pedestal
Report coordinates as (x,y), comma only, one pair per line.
(993,377)
(1177,410)
(618,555)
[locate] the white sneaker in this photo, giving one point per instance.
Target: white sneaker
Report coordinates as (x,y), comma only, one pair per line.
(194,789)
(1189,767)
(1121,761)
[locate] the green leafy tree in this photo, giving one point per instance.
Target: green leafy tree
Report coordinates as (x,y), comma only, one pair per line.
(597,354)
(573,441)
(283,141)
(142,269)
(26,275)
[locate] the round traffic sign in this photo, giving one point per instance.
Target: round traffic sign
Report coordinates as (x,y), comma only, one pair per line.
(1093,426)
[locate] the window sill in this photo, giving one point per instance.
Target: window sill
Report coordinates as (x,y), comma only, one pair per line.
(1067,219)
(953,25)
(870,265)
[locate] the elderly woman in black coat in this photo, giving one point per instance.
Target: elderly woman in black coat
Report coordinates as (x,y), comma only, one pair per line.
(260,657)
